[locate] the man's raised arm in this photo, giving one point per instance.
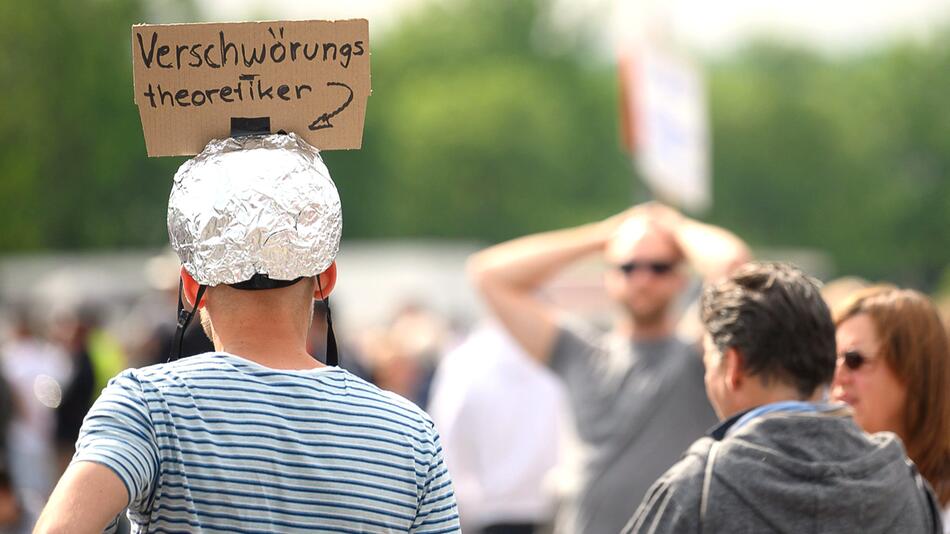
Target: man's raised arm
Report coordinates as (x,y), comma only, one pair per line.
(508,276)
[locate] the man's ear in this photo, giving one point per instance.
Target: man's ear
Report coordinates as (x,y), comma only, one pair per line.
(733,370)
(326,281)
(190,289)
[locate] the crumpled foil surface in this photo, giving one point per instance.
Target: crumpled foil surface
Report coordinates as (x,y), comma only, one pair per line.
(257,204)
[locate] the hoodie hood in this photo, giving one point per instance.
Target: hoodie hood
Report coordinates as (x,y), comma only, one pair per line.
(813,472)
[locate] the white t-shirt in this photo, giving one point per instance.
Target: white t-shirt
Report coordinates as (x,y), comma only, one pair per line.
(500,417)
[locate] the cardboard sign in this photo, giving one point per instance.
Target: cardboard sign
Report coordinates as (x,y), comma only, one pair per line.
(307,77)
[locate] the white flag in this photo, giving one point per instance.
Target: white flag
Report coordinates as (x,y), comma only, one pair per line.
(667,125)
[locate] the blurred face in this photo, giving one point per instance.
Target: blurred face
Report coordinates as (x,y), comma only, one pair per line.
(715,378)
(645,273)
(397,372)
(865,381)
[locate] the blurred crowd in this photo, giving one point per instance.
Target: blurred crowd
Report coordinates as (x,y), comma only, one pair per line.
(53,366)
(507,421)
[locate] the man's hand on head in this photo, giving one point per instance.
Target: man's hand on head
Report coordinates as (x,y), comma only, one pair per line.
(651,212)
(612,224)
(662,215)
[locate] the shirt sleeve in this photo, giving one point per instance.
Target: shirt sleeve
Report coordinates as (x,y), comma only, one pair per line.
(575,352)
(118,434)
(438,511)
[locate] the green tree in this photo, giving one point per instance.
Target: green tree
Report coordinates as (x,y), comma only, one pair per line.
(487,123)
(73,171)
(850,156)
(476,129)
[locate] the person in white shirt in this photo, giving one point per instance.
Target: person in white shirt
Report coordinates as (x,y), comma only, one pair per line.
(500,415)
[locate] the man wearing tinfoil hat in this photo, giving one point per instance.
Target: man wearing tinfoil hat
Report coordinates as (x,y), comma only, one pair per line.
(257,436)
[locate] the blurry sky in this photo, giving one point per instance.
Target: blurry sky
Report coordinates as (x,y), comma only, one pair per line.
(707,26)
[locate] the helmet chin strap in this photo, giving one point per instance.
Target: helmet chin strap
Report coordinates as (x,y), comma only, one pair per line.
(332,356)
(184,319)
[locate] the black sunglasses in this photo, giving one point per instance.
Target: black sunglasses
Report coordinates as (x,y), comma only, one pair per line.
(655,267)
(854,360)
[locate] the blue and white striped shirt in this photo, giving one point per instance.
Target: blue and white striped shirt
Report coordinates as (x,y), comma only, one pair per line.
(217,443)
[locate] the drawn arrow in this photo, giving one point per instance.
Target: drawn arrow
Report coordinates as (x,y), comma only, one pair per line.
(323,121)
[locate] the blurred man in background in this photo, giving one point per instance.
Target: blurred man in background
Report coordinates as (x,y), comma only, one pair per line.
(637,391)
(94,358)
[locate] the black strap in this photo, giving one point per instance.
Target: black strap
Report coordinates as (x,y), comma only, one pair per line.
(332,355)
(184,319)
(262,281)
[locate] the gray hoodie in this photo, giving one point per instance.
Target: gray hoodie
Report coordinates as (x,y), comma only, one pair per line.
(791,473)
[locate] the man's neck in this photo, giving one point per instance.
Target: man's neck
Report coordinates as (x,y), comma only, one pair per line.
(274,355)
(645,332)
(272,344)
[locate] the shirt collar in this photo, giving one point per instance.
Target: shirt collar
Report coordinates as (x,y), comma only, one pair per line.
(720,431)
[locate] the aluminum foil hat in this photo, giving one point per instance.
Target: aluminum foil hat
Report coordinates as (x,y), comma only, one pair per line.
(256,205)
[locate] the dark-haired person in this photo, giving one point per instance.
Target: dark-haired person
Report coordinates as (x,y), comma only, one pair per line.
(781,461)
(636,392)
(894,371)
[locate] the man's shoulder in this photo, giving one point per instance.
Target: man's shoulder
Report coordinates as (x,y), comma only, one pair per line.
(345,391)
(207,360)
(684,480)
(161,376)
(575,329)
(392,399)
(691,467)
(673,502)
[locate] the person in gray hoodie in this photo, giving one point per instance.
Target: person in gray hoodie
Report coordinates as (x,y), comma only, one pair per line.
(781,461)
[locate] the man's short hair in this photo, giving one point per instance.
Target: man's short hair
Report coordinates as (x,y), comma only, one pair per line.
(773,314)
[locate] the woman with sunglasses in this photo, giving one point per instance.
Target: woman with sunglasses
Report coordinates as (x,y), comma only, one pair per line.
(894,370)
